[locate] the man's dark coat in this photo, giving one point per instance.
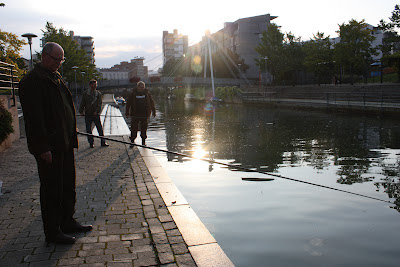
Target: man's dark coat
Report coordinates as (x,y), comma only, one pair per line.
(45,116)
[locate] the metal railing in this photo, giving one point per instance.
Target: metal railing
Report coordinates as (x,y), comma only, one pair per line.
(8,80)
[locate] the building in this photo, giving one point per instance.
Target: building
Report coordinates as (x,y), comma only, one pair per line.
(174,45)
(126,70)
(86,43)
(379,36)
(114,74)
(241,37)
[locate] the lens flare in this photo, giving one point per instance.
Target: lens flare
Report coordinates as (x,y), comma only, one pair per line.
(196,64)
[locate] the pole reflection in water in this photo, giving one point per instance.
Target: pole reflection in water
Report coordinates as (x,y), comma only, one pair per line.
(280,222)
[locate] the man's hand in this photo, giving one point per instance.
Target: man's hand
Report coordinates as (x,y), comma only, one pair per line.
(47,157)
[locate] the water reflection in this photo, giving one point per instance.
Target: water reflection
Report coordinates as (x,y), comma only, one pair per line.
(360,149)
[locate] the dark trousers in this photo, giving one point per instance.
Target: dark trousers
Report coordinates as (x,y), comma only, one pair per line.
(135,127)
(97,123)
(57,191)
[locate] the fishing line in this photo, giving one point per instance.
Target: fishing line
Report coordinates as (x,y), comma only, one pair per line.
(239,168)
(114,116)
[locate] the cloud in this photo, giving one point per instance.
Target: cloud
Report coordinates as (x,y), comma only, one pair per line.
(126,49)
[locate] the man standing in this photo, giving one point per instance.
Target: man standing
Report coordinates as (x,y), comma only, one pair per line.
(50,125)
(91,106)
(140,105)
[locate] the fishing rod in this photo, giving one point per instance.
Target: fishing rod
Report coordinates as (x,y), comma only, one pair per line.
(113,116)
(239,168)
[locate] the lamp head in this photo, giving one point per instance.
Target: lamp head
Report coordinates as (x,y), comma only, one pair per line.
(29,36)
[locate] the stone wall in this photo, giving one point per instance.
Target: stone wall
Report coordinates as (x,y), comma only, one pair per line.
(8,103)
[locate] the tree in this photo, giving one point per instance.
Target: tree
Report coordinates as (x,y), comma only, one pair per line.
(10,47)
(226,64)
(391,42)
(75,56)
(354,51)
(319,57)
(173,67)
(271,47)
(293,56)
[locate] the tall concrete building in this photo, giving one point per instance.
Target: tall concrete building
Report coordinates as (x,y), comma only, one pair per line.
(241,37)
(86,43)
(174,45)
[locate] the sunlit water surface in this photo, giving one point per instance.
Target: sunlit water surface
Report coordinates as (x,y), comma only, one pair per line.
(283,222)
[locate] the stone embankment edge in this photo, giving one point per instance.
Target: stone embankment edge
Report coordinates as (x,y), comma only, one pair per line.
(202,245)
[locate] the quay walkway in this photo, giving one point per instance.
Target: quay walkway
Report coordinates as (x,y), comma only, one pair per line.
(366,98)
(139,217)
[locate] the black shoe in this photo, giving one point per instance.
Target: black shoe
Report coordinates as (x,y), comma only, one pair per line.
(76,228)
(105,144)
(61,238)
(91,145)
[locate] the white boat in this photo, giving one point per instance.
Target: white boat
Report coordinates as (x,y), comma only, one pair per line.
(189,97)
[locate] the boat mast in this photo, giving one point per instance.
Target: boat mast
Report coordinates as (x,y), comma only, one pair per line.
(211,64)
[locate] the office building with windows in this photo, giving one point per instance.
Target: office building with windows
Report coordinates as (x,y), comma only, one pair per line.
(126,70)
(174,45)
(86,43)
(242,37)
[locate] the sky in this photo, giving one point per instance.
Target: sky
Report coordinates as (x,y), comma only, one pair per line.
(124,29)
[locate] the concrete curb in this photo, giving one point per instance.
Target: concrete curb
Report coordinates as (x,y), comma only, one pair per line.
(202,245)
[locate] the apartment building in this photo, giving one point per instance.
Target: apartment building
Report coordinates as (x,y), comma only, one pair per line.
(174,45)
(241,37)
(86,43)
(126,70)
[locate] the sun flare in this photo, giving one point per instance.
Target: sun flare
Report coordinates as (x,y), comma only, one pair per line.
(199,153)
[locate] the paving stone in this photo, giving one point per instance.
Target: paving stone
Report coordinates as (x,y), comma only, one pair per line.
(165,218)
(164,248)
(146,259)
(109,238)
(185,260)
(160,238)
(179,248)
(125,263)
(166,257)
(98,259)
(125,256)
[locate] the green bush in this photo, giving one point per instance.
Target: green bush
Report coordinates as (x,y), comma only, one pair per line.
(226,93)
(5,123)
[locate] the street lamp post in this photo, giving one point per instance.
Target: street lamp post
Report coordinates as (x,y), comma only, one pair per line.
(83,81)
(87,67)
(30,36)
(76,86)
(266,71)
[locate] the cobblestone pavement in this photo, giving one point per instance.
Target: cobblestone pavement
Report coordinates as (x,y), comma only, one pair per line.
(115,193)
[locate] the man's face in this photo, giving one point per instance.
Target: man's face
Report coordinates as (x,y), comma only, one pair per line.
(141,87)
(93,86)
(54,59)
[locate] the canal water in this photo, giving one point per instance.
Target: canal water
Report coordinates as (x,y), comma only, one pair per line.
(283,222)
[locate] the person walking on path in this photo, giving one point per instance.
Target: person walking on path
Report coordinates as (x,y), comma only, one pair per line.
(50,125)
(91,107)
(140,105)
